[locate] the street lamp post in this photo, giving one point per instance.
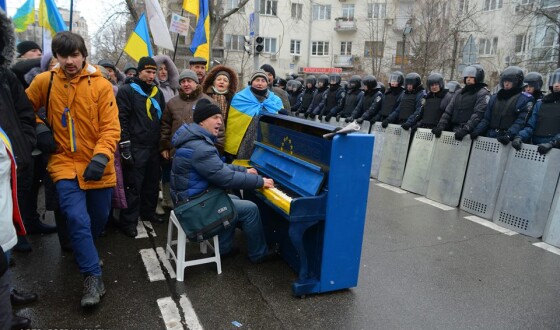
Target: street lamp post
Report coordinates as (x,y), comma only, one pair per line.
(406,31)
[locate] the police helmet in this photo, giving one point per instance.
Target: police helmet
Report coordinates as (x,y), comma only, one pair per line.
(344,84)
(381,87)
(280,82)
(311,79)
(370,81)
(435,78)
(513,74)
(398,77)
(452,86)
(355,82)
(413,79)
(334,79)
(323,81)
(535,80)
(296,86)
(476,71)
(293,85)
(554,79)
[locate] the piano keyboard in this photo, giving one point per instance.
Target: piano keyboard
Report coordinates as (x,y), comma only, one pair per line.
(278,198)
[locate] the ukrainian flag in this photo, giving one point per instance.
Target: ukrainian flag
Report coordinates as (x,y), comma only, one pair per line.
(50,18)
(24,16)
(200,45)
(3,5)
(244,107)
(139,45)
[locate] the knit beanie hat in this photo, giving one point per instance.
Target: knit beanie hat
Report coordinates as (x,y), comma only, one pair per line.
(188,74)
(223,73)
(147,63)
(205,109)
(259,73)
(268,68)
(25,46)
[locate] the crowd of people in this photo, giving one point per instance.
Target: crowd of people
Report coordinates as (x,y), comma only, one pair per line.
(120,147)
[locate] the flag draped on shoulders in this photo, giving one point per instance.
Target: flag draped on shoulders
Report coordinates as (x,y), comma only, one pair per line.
(138,45)
(24,16)
(50,18)
(200,45)
(244,107)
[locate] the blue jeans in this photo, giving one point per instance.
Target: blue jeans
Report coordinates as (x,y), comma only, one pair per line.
(249,219)
(86,212)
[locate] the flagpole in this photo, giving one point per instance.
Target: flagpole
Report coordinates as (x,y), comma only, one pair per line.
(118,59)
(71,14)
(177,40)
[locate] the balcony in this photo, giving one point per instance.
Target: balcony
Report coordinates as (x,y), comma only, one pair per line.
(344,24)
(400,22)
(343,61)
(399,60)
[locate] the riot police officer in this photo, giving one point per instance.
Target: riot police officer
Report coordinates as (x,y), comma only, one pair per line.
(433,104)
(507,110)
(371,102)
(392,96)
(468,105)
(354,96)
(411,101)
(333,98)
(293,87)
(322,86)
(308,93)
(534,83)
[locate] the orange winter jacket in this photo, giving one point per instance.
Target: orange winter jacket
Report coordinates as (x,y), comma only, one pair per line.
(90,103)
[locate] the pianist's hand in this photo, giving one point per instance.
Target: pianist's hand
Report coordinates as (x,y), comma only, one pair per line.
(252,171)
(268,183)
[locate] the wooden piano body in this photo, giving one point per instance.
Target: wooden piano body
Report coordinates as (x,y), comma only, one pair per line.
(320,230)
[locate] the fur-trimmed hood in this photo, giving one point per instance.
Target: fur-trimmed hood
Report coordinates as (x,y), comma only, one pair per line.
(7,41)
(172,72)
(209,80)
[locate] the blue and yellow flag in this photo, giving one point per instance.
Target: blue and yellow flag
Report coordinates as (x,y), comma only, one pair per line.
(50,18)
(139,45)
(244,107)
(200,45)
(3,5)
(24,16)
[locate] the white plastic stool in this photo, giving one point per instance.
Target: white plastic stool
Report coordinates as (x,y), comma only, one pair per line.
(180,261)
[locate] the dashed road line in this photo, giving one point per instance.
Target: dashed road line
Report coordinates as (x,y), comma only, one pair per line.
(170,313)
(491,225)
(161,255)
(435,204)
(394,189)
(142,233)
(547,247)
(151,263)
(148,225)
(190,316)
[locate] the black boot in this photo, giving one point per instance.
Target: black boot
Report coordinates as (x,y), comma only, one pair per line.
(20,298)
(20,322)
(94,289)
(22,245)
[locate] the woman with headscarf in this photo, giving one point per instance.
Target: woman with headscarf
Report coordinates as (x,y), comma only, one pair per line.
(167,76)
(221,84)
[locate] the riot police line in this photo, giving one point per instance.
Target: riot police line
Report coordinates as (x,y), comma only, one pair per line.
(466,148)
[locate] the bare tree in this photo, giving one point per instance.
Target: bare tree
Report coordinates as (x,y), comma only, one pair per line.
(374,43)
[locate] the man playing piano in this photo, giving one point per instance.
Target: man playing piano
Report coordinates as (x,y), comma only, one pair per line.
(197,165)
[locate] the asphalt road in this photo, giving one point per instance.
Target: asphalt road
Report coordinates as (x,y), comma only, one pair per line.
(422,268)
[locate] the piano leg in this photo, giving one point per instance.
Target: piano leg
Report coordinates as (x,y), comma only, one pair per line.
(305,283)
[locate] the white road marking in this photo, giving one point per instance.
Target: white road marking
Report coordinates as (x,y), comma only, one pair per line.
(170,314)
(161,254)
(142,233)
(190,316)
(547,247)
(394,189)
(491,225)
(435,204)
(149,225)
(151,263)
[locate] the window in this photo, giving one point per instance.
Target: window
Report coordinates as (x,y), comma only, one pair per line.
(321,12)
(269,7)
(231,4)
(488,46)
(270,45)
(320,48)
(235,42)
(400,49)
(346,48)
(297,9)
(348,12)
(549,36)
(463,6)
(373,49)
(521,43)
(493,4)
(526,2)
(550,3)
(376,10)
(295,47)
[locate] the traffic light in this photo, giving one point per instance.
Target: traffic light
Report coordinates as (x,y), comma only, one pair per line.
(248,45)
(259,45)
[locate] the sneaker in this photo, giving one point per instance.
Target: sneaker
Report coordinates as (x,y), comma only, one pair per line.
(94,289)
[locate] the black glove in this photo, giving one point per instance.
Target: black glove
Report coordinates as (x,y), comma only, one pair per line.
(517,143)
(320,117)
(310,115)
(405,126)
(45,139)
(504,139)
(305,115)
(348,119)
(94,171)
(126,154)
(460,134)
(328,117)
(337,117)
(385,123)
(437,131)
(474,135)
(360,120)
(544,148)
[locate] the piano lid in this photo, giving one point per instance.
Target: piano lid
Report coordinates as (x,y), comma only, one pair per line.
(293,152)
